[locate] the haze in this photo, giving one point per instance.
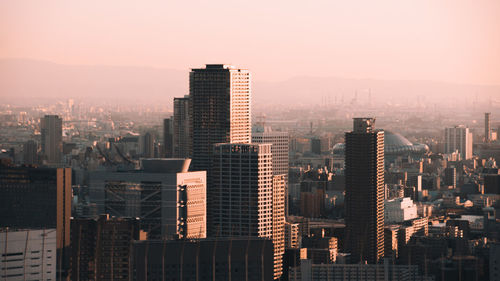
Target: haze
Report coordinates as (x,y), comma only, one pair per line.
(452,41)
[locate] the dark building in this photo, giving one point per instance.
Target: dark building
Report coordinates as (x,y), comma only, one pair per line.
(492,184)
(182,137)
(101,248)
(148,145)
(30,152)
(316,146)
(52,145)
(38,198)
(364,199)
(220,96)
(450,177)
(168,138)
(212,259)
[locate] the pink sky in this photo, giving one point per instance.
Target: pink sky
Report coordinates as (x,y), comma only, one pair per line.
(444,40)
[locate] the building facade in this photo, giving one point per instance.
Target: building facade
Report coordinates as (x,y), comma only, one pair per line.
(182,128)
(458,138)
(168,135)
(51,135)
(364,199)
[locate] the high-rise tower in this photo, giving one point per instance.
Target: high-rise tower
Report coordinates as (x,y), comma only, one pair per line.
(51,129)
(487,127)
(182,128)
(364,200)
(220,96)
(458,138)
(167,137)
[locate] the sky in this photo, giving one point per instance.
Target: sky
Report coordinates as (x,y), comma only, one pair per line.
(441,40)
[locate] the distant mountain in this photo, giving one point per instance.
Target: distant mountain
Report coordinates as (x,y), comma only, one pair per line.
(29,82)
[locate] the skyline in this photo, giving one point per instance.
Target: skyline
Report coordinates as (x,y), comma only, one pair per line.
(448,41)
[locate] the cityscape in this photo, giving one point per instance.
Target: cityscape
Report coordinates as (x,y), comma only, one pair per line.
(117,170)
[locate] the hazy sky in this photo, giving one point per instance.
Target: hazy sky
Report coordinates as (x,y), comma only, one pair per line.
(445,40)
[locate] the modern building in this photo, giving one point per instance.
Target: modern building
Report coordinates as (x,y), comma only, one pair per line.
(168,135)
(242,191)
(51,130)
(28,254)
(487,127)
(38,198)
(492,184)
(399,210)
(169,200)
(278,227)
(291,235)
(359,272)
(458,138)
(30,153)
(101,248)
(148,145)
(182,128)
(450,177)
(221,110)
(494,261)
(364,199)
(279,150)
(232,258)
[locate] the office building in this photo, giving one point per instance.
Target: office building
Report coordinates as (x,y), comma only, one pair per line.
(291,235)
(364,199)
(169,200)
(399,210)
(182,136)
(148,145)
(232,258)
(38,198)
(51,130)
(168,135)
(101,248)
(492,184)
(30,153)
(360,272)
(279,150)
(458,138)
(241,191)
(450,177)
(221,110)
(28,254)
(487,127)
(278,226)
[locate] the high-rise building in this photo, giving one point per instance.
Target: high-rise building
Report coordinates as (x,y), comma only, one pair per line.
(27,254)
(101,248)
(458,138)
(450,177)
(487,127)
(148,145)
(168,141)
(51,129)
(30,153)
(278,227)
(220,96)
(169,200)
(182,128)
(364,199)
(242,186)
(291,235)
(38,198)
(279,150)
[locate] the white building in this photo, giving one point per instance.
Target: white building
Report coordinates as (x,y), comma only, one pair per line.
(28,254)
(399,210)
(458,138)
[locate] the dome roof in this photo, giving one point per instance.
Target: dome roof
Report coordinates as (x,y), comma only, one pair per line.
(395,139)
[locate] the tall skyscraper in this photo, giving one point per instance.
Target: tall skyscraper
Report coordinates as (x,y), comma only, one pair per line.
(364,199)
(458,138)
(168,141)
(30,152)
(182,128)
(38,198)
(487,127)
(220,96)
(148,145)
(242,186)
(279,150)
(51,130)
